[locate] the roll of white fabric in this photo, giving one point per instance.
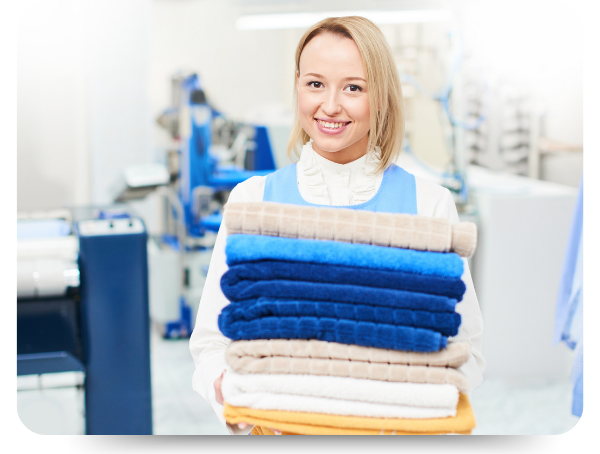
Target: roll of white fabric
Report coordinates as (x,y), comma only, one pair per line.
(424,395)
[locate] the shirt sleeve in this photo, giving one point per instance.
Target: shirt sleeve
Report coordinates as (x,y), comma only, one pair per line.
(207,344)
(471,327)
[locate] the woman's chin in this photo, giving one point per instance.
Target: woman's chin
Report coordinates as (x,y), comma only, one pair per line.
(330,145)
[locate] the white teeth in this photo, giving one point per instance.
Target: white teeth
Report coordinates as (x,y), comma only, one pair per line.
(330,125)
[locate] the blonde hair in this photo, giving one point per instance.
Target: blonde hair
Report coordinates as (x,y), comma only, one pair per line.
(385,94)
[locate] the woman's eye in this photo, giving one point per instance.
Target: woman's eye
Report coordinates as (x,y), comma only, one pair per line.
(354,88)
(315,84)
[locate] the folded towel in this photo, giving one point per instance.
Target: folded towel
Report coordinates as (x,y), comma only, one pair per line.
(333,330)
(322,424)
(339,388)
(340,274)
(323,405)
(454,355)
(445,323)
(251,248)
(236,290)
(261,430)
(398,373)
(353,226)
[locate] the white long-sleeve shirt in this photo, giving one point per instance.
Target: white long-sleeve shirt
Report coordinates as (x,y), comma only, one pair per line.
(322,182)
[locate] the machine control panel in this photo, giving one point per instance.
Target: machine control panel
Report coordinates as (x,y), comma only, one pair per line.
(96,227)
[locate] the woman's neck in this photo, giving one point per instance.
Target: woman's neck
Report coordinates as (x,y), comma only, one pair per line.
(349,154)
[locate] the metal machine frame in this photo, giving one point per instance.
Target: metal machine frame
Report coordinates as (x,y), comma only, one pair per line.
(101,328)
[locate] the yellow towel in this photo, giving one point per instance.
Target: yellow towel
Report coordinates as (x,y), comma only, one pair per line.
(260,430)
(292,423)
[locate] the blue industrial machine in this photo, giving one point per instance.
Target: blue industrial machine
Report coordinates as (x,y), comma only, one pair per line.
(200,171)
(82,305)
(202,178)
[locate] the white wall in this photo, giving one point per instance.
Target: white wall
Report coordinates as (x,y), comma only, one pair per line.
(52,113)
(119,61)
(82,98)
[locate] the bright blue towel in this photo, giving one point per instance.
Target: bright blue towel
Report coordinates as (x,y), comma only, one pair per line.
(445,323)
(236,290)
(341,274)
(367,334)
(248,248)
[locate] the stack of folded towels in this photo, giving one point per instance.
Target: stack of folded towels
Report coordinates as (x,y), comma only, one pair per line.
(340,319)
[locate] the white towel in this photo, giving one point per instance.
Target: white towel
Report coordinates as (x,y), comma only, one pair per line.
(308,404)
(342,388)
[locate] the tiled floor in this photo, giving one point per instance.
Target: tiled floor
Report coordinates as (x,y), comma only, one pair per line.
(177,408)
(533,408)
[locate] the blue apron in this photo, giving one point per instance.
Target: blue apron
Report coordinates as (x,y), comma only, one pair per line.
(397,193)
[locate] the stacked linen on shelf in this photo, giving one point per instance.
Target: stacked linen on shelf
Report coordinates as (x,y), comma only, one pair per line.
(369,296)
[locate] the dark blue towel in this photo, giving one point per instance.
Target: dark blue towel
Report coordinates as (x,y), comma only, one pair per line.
(367,334)
(236,290)
(342,274)
(251,248)
(445,323)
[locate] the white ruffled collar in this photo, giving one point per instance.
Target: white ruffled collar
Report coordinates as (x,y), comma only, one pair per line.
(316,169)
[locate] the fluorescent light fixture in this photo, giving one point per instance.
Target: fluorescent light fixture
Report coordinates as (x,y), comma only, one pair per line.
(302,20)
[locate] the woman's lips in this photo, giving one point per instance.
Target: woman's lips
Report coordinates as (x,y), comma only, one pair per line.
(331,131)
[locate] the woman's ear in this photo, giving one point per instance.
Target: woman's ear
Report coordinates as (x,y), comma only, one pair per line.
(297,79)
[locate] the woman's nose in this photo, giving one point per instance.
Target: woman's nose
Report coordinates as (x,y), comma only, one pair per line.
(331,105)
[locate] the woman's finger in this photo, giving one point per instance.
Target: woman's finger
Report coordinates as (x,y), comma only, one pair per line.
(217,386)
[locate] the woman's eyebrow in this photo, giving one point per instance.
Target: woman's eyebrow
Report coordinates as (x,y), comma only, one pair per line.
(323,77)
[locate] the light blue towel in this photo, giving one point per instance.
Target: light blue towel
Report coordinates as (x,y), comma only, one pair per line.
(246,248)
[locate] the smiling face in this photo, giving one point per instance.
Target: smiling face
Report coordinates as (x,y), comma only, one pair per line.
(333,99)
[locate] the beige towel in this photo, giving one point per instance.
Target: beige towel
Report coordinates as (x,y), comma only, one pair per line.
(353,226)
(346,368)
(454,355)
(329,358)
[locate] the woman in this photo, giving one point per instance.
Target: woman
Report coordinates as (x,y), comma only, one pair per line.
(349,122)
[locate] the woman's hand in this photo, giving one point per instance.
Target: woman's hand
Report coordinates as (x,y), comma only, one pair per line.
(219,399)
(218,393)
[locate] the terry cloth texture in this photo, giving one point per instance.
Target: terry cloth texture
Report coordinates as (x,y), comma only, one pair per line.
(340,274)
(445,323)
(333,330)
(323,405)
(340,388)
(454,355)
(352,226)
(315,291)
(322,424)
(251,248)
(344,368)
